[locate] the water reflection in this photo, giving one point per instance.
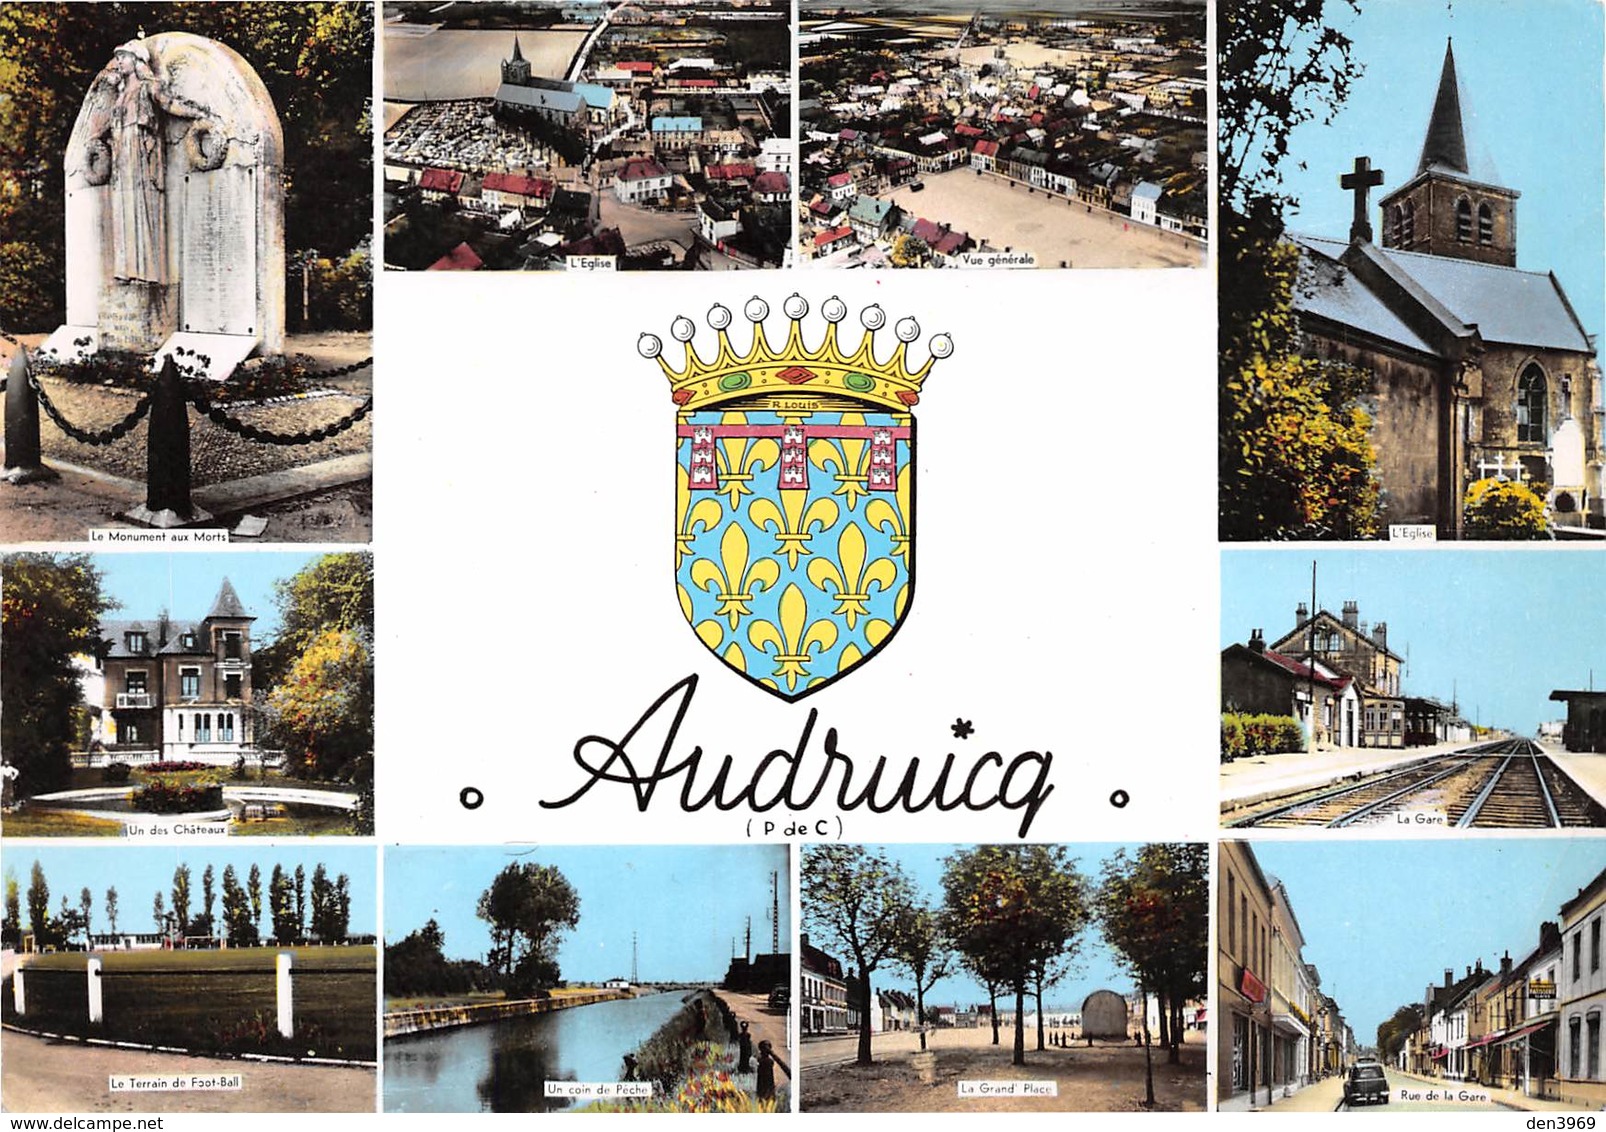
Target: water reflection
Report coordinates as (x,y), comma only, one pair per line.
(503,1066)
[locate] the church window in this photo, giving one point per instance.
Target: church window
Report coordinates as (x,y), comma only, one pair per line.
(1394,223)
(1532,395)
(1485,225)
(1408,225)
(1463,220)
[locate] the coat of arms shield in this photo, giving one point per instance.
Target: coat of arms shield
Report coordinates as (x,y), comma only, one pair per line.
(795,495)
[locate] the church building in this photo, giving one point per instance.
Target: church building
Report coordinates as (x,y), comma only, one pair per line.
(1481,369)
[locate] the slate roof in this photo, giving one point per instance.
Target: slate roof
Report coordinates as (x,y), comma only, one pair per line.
(1505,304)
(596,96)
(870,210)
(1146,190)
(539,98)
(677,125)
(228,604)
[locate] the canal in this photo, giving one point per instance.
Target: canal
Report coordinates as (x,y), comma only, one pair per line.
(502,1066)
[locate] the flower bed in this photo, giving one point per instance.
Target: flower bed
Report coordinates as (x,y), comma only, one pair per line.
(161,796)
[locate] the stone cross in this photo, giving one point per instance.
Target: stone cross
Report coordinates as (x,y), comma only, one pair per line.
(1359,182)
(175,208)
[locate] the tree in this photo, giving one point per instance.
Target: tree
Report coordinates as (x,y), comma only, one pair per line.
(1009,906)
(1504,509)
(529,906)
(253,888)
(237,923)
(206,923)
(38,901)
(1394,1032)
(159,912)
(181,899)
(50,609)
(13,922)
(68,923)
(909,251)
(322,894)
(923,952)
(858,899)
(1295,459)
(1154,909)
(86,908)
(301,902)
(282,906)
(323,711)
(111,907)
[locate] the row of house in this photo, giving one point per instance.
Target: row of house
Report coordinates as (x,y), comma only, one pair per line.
(1532,1024)
(1279,1031)
(1340,680)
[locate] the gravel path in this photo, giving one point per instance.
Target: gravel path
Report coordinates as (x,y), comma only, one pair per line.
(46,1076)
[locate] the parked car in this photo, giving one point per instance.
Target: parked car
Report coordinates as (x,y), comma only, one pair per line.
(1366,1084)
(918,186)
(781,996)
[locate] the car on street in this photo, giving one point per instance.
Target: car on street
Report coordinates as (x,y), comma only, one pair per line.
(1366,1084)
(781,996)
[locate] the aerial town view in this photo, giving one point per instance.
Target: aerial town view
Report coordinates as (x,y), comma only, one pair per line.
(1073,136)
(587,136)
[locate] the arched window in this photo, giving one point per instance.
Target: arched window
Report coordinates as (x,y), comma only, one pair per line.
(1463,220)
(1532,398)
(1485,225)
(1408,225)
(1394,223)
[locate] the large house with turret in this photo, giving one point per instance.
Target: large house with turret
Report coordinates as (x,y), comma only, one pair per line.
(178,690)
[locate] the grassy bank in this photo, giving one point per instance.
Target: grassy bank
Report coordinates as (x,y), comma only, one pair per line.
(210,1001)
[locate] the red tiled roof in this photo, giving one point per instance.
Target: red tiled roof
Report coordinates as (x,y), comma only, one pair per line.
(460,258)
(965,130)
(986,148)
(831,237)
(926,230)
(441,180)
(951,243)
(640,169)
(698,83)
(518,183)
(639,68)
(731,171)
(848,135)
(822,208)
(772,183)
(837,180)
(1033,92)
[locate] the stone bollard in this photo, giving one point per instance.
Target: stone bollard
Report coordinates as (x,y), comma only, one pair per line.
(23,462)
(925,1066)
(97,1011)
(167,456)
(286,997)
(19,998)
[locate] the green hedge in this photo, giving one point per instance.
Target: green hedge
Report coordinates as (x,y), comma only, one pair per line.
(1245,736)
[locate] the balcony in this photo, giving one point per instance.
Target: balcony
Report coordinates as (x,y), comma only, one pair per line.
(135,700)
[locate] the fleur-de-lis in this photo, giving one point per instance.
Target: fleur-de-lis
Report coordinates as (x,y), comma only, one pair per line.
(709,631)
(847,457)
(798,642)
(733,585)
(790,522)
(741,459)
(875,631)
(883,516)
(850,583)
(692,518)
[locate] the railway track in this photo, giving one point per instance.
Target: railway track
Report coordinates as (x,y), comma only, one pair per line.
(1509,784)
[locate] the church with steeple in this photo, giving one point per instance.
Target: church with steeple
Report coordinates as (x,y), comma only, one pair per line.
(1482,370)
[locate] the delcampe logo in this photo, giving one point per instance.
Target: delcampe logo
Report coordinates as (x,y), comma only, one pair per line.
(795,493)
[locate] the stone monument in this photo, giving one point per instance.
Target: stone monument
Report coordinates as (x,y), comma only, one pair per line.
(175,209)
(1104,1015)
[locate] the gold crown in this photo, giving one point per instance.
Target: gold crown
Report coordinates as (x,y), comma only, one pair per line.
(794,368)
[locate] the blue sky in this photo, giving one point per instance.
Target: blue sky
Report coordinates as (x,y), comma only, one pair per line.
(1097,965)
(1501,628)
(138,872)
(185,584)
(1428,905)
(1530,74)
(686,903)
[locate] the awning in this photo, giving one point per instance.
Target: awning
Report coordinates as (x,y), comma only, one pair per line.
(1441,1055)
(1518,1035)
(1483,1041)
(1289,1024)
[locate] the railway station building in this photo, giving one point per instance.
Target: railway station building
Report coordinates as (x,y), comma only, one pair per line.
(1346,646)
(1585,729)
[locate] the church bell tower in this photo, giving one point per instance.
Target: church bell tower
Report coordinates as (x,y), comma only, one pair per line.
(1454,206)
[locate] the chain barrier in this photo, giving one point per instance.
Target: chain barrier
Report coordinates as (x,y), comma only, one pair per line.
(93,439)
(220,417)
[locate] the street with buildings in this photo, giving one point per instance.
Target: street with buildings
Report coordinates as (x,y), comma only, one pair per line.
(934,139)
(1510,1020)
